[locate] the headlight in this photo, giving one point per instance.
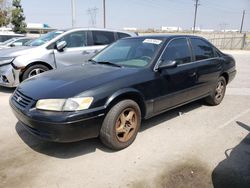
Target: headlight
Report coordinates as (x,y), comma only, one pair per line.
(6,60)
(71,104)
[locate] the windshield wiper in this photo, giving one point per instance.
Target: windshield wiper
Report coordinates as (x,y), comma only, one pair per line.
(108,63)
(104,63)
(92,61)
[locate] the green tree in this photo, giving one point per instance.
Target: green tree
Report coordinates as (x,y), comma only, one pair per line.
(18,18)
(4,13)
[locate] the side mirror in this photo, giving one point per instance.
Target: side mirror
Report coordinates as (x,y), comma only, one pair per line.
(167,64)
(61,45)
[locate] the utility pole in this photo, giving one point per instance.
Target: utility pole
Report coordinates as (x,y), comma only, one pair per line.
(92,14)
(73,6)
(104,13)
(242,20)
(195,14)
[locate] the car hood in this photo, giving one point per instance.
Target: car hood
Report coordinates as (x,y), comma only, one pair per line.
(72,81)
(16,51)
(4,47)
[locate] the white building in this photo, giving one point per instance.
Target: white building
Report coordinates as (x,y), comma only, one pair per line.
(171,29)
(207,30)
(230,30)
(38,28)
(5,29)
(130,28)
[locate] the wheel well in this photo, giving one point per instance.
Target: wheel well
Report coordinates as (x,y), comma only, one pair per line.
(32,64)
(225,75)
(132,96)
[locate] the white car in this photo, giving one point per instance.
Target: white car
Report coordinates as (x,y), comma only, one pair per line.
(52,51)
(15,42)
(4,36)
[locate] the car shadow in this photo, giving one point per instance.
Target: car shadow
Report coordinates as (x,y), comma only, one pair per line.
(74,149)
(6,89)
(60,150)
(234,171)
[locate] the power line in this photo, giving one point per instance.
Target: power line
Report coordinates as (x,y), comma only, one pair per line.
(195,14)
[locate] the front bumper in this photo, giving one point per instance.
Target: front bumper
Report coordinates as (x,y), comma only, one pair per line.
(9,77)
(60,126)
(232,75)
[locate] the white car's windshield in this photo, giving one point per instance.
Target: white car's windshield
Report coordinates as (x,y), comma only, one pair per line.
(131,52)
(8,41)
(45,38)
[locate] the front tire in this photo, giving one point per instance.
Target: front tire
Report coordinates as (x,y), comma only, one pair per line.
(218,93)
(121,125)
(33,71)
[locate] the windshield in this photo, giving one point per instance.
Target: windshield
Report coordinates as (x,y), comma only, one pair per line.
(45,38)
(131,52)
(8,41)
(28,42)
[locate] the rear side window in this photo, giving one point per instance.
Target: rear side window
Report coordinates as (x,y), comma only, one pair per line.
(122,35)
(103,37)
(3,38)
(202,49)
(177,50)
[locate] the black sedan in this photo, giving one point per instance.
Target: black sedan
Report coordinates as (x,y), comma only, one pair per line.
(131,79)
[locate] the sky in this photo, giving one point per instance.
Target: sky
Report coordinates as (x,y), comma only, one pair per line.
(141,14)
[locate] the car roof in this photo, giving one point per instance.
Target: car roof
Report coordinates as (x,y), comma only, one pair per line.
(97,29)
(166,36)
(10,34)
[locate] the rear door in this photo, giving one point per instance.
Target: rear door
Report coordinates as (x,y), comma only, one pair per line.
(100,39)
(208,65)
(178,83)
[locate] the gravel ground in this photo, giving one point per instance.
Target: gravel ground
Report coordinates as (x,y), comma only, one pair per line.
(192,146)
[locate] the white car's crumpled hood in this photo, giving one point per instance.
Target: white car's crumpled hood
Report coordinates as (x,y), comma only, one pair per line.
(16,51)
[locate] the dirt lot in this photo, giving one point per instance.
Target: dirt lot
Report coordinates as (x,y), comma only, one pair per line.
(193,146)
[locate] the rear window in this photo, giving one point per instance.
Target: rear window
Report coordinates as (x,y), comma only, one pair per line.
(103,37)
(122,35)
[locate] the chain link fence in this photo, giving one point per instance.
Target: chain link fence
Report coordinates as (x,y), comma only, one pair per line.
(232,42)
(222,40)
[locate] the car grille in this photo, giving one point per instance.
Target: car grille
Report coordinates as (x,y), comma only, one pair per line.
(21,99)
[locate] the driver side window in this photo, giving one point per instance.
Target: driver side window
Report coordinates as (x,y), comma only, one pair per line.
(178,51)
(75,39)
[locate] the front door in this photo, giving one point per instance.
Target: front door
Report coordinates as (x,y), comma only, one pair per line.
(177,83)
(76,51)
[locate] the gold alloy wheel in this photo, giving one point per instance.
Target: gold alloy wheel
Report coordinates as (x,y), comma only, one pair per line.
(126,124)
(219,92)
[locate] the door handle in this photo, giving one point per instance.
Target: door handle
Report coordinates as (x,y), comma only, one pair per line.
(86,52)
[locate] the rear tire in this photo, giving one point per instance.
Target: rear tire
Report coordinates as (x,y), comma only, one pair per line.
(33,71)
(218,92)
(121,125)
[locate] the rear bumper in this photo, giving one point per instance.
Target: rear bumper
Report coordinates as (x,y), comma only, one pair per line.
(231,75)
(63,128)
